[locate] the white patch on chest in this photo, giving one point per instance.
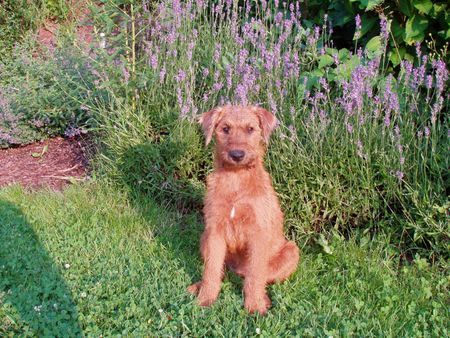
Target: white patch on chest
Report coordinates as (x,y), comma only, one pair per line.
(232,212)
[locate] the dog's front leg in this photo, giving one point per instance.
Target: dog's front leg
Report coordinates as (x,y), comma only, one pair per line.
(213,249)
(256,299)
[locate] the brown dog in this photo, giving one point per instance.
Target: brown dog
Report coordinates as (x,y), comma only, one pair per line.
(244,222)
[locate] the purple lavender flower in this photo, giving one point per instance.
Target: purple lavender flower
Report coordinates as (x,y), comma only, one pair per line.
(441,75)
(418,51)
(437,106)
(272,104)
(217,86)
(162,74)
(390,101)
(429,82)
(229,76)
(179,97)
(154,61)
(357,27)
(336,58)
(217,52)
(184,111)
(278,18)
(359,149)
(387,119)
(125,74)
(399,174)
(190,50)
(241,93)
(349,127)
(181,76)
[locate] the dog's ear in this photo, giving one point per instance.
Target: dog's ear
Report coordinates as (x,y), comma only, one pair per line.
(209,122)
(268,122)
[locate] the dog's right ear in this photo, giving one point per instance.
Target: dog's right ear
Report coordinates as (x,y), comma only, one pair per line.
(209,122)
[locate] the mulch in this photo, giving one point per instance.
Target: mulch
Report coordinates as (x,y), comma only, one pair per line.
(52,163)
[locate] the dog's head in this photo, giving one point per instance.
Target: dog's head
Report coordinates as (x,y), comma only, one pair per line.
(241,133)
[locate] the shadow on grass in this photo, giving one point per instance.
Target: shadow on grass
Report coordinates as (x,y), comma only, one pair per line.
(36,300)
(170,173)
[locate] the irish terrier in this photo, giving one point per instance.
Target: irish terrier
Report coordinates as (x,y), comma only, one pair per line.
(244,222)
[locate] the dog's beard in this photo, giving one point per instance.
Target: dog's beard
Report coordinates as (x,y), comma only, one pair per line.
(248,162)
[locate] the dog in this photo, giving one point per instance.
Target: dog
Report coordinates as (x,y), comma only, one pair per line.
(243,218)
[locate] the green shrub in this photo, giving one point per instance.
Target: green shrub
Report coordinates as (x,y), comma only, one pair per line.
(44,95)
(19,18)
(412,22)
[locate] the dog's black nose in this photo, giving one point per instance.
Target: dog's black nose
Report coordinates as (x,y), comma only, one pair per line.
(237,155)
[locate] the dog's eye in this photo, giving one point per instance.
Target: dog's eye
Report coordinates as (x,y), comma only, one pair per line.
(250,130)
(226,130)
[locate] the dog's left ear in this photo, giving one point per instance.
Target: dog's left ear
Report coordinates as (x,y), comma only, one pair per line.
(209,122)
(268,122)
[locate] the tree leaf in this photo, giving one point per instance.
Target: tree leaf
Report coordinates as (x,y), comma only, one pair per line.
(343,54)
(340,15)
(367,23)
(396,56)
(406,8)
(397,30)
(415,29)
(370,4)
(374,44)
(424,6)
(325,60)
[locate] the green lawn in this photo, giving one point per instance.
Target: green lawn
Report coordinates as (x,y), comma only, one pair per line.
(94,261)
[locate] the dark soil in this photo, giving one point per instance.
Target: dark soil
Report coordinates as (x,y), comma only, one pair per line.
(52,163)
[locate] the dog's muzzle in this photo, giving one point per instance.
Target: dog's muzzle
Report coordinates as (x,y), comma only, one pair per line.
(236,155)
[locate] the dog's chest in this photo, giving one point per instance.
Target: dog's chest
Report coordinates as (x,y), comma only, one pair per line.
(239,220)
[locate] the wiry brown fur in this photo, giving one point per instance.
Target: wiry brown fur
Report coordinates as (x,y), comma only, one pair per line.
(244,222)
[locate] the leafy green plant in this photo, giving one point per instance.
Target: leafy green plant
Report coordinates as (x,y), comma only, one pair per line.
(16,19)
(412,22)
(56,9)
(21,18)
(41,96)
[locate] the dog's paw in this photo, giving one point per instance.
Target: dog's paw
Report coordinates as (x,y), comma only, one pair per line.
(258,304)
(207,296)
(194,288)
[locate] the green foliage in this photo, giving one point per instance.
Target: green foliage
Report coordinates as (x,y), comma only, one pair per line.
(16,18)
(411,21)
(19,18)
(56,9)
(41,96)
(121,267)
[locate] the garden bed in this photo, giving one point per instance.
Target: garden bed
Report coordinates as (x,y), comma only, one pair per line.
(52,163)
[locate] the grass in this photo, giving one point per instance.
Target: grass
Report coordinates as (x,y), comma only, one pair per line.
(95,260)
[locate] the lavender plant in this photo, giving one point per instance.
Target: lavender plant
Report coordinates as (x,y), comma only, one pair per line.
(40,96)
(357,148)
